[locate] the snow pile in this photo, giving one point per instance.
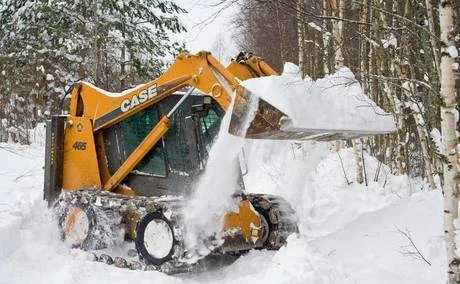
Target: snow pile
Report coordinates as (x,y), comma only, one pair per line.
(213,194)
(336,102)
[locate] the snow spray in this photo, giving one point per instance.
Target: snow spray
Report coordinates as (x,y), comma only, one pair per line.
(213,193)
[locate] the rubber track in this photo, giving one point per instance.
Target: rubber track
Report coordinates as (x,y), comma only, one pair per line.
(112,209)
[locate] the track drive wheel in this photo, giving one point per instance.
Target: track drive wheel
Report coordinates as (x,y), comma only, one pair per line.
(155,240)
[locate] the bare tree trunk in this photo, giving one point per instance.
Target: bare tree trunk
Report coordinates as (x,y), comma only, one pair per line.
(123,69)
(339,63)
(337,47)
(96,44)
(423,136)
(449,138)
(359,162)
(301,36)
(325,41)
(280,32)
(338,8)
(363,51)
(429,12)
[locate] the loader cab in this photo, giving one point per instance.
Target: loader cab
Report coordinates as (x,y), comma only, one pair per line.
(175,162)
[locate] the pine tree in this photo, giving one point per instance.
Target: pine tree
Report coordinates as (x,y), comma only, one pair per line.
(45,46)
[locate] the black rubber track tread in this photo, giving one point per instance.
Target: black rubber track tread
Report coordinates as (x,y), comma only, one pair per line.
(115,204)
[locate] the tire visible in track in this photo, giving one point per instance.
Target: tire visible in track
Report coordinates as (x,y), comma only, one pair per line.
(78,226)
(155,241)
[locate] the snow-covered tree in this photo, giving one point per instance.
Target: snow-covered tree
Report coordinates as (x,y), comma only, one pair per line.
(45,46)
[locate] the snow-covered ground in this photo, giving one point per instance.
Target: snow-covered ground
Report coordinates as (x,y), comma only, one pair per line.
(349,233)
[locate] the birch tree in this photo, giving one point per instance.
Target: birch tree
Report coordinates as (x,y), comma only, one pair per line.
(338,6)
(449,137)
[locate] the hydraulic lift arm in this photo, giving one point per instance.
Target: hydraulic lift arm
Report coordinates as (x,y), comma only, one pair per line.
(246,66)
(201,71)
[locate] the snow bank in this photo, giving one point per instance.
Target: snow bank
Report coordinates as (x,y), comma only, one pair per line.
(297,262)
(375,249)
(348,231)
(18,191)
(9,231)
(353,224)
(336,102)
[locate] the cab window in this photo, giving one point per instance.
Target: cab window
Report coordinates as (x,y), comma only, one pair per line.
(134,130)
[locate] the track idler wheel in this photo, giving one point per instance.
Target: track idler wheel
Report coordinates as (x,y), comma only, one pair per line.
(267,227)
(155,240)
(77,225)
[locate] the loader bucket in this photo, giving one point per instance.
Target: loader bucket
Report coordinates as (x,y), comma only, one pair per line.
(272,124)
(267,119)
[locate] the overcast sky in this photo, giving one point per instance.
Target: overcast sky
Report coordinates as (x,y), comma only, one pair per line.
(204,26)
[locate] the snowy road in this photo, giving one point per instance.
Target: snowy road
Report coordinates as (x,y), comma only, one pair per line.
(349,233)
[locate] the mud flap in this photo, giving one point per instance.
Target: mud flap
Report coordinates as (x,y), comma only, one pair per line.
(54,158)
